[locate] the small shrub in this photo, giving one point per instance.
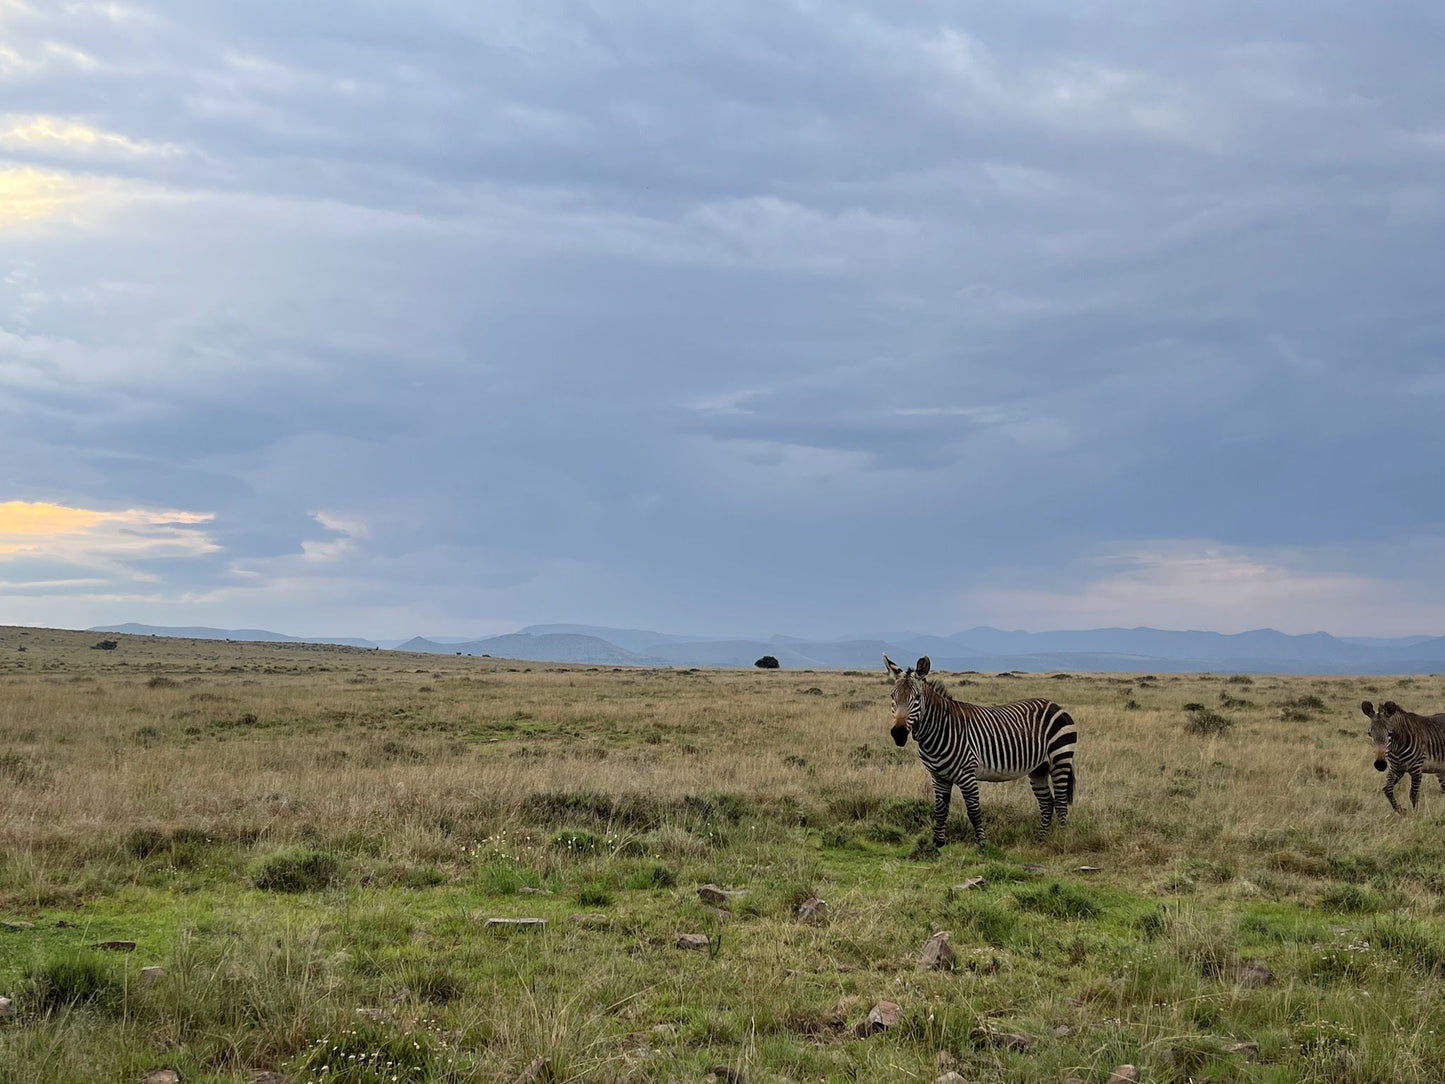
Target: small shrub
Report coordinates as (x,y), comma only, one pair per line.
(19,769)
(1239,679)
(1203,720)
(577,841)
(652,875)
(296,869)
(104,645)
(73,978)
(1350,899)
(160,681)
(370,1055)
(1057,901)
(767,662)
(594,895)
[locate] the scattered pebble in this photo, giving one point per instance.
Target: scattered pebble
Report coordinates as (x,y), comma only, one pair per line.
(813,909)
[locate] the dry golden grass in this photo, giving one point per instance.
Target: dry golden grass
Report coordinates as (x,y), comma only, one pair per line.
(151,780)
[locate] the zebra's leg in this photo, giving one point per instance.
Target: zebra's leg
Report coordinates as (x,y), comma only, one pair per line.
(1391,778)
(1044,795)
(969,788)
(942,796)
(1414,790)
(1063,786)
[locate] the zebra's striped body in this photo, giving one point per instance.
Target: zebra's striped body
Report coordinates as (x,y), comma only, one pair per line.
(1406,744)
(961,744)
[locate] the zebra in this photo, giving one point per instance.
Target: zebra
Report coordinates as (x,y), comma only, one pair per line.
(962,743)
(1406,744)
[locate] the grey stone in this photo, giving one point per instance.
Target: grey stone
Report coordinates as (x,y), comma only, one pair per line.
(1124,1074)
(1252,973)
(7,1007)
(937,954)
(162,1076)
(718,896)
(528,890)
(971,883)
(1089,869)
(813,909)
(882,1016)
(693,942)
(1062,1031)
(149,976)
(1016,1041)
(949,1078)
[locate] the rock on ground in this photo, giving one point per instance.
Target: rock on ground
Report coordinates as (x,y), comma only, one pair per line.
(937,954)
(813,909)
(882,1016)
(718,896)
(162,1076)
(1124,1074)
(516,923)
(7,1007)
(1252,973)
(692,941)
(151,975)
(971,883)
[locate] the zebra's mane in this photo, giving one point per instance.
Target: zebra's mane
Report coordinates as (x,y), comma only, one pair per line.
(937,687)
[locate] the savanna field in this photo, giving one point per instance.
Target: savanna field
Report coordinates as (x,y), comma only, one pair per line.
(309,841)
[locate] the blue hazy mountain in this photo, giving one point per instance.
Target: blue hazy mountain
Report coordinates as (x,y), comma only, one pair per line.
(982,648)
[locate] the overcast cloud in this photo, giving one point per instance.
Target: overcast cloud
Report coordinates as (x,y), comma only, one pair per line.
(380,319)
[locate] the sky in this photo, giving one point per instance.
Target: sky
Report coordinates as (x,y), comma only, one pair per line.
(435,317)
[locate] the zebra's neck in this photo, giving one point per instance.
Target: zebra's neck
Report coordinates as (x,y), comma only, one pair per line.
(937,712)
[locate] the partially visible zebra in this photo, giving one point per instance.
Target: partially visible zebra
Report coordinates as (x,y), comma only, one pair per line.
(1406,744)
(962,743)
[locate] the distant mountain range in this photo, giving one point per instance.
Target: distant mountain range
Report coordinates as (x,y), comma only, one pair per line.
(983,648)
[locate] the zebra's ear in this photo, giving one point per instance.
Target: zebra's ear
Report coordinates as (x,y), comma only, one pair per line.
(893,667)
(1389,707)
(1368,709)
(923,666)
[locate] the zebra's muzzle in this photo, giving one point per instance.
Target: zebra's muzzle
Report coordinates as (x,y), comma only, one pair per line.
(900,735)
(1379,765)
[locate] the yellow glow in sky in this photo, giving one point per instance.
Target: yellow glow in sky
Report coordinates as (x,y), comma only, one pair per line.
(28,518)
(28,194)
(39,526)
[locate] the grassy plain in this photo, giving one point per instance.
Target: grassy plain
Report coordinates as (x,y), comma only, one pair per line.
(295,833)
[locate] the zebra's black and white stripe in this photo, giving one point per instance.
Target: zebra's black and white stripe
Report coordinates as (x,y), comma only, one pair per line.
(961,744)
(1406,744)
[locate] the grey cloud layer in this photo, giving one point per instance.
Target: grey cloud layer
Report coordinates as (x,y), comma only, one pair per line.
(712,317)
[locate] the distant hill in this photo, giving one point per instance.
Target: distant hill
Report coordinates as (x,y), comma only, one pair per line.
(202,633)
(547,647)
(982,648)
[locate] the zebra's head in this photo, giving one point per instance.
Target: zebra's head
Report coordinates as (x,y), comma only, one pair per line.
(1379,732)
(905,696)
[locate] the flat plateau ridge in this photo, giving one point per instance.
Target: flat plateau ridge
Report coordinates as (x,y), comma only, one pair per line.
(983,649)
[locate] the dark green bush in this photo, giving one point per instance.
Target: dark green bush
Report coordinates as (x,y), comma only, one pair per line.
(296,869)
(73,978)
